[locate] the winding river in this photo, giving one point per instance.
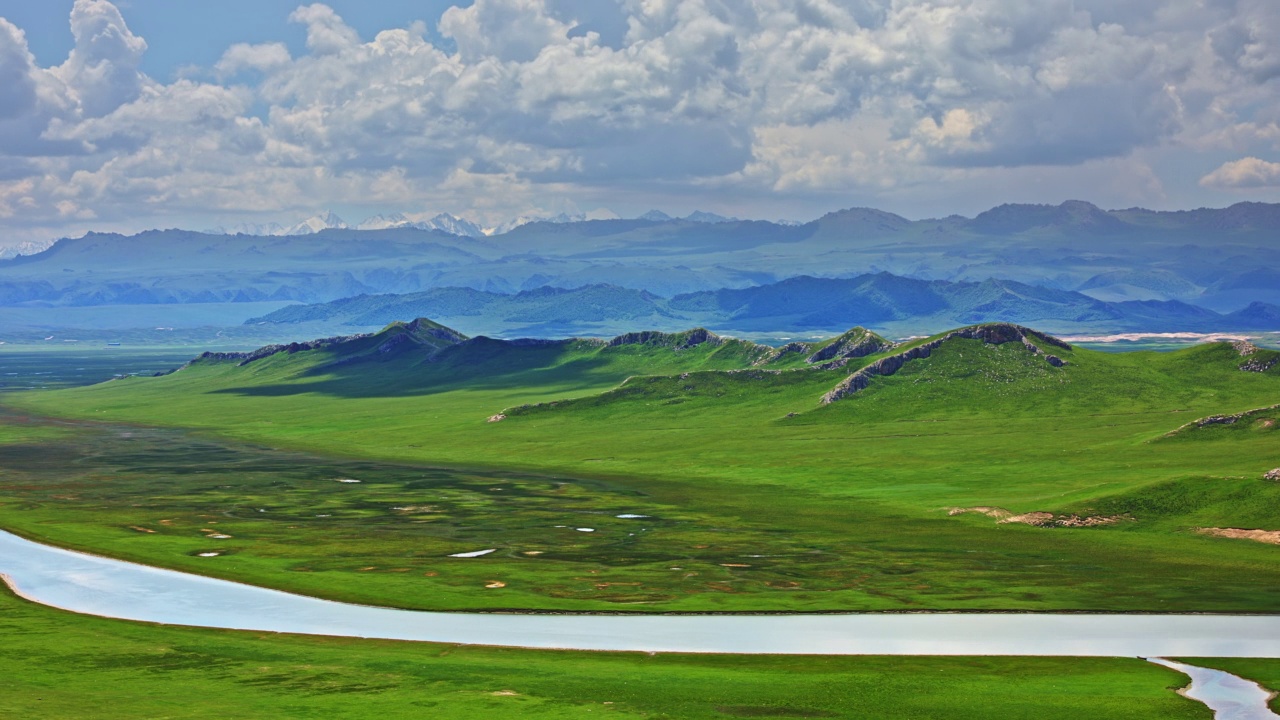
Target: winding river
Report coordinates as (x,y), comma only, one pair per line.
(1230,697)
(111,588)
(105,587)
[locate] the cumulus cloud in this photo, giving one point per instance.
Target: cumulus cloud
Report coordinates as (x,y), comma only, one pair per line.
(503,30)
(327,34)
(1250,41)
(1250,172)
(17,73)
(243,56)
(526,105)
(103,66)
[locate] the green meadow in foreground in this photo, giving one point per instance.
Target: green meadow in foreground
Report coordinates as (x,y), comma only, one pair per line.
(679,472)
(55,664)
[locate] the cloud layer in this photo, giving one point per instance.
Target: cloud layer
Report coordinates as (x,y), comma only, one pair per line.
(802,103)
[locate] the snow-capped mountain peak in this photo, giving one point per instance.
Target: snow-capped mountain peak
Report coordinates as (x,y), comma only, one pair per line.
(452,224)
(27,247)
(514,223)
(708,217)
(244,228)
(382,222)
(324,221)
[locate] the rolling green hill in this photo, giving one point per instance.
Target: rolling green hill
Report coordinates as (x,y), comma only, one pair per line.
(990,467)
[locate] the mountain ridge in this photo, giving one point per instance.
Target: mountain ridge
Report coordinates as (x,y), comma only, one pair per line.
(1220,259)
(800,303)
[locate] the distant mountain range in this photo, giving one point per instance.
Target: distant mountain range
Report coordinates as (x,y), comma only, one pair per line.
(330,221)
(795,305)
(445,222)
(28,247)
(1214,260)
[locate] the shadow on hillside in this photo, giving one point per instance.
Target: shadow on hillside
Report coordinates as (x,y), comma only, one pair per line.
(398,378)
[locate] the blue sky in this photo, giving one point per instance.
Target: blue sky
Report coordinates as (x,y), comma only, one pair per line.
(185,33)
(158,113)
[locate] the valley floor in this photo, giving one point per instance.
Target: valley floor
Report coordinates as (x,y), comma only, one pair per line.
(688,488)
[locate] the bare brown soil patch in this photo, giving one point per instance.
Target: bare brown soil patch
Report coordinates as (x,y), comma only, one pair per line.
(1031,518)
(1271,537)
(1038,518)
(995,512)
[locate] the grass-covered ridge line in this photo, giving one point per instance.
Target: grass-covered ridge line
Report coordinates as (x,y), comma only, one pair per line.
(754,495)
(993,334)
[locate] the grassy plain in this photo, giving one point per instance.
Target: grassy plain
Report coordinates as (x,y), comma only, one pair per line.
(835,508)
(60,665)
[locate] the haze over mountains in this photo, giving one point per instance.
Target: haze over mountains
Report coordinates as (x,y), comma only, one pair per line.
(1075,263)
(794,305)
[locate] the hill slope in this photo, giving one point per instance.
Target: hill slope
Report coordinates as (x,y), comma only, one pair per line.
(678,471)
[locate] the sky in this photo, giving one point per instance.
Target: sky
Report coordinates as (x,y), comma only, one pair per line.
(183,113)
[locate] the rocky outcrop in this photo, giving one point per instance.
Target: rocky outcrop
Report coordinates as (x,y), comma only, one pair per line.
(1260,364)
(244,358)
(858,342)
(782,351)
(1244,347)
(543,342)
(424,329)
(1039,518)
(1256,359)
(1219,420)
(679,341)
(994,334)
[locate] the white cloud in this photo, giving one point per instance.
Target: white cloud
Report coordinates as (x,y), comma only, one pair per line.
(243,56)
(1250,172)
(103,66)
(327,34)
(794,98)
(1251,39)
(504,30)
(17,71)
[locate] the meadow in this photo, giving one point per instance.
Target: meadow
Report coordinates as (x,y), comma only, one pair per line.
(753,495)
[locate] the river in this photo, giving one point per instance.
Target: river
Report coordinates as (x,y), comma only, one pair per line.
(111,588)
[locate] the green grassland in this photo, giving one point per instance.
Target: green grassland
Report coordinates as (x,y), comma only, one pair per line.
(55,664)
(756,496)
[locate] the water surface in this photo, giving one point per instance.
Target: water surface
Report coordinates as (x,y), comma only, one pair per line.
(1230,697)
(112,588)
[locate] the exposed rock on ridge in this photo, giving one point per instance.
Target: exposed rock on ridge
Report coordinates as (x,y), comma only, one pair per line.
(268,350)
(858,342)
(1219,420)
(994,334)
(678,341)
